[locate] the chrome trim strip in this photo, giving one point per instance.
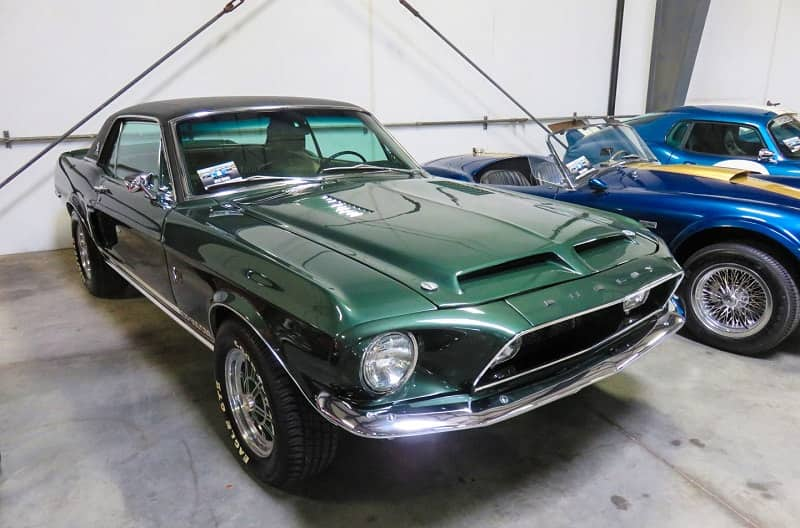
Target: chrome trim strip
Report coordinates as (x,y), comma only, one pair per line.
(401,420)
(164,305)
(648,286)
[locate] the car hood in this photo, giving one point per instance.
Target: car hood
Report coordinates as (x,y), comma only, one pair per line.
(452,242)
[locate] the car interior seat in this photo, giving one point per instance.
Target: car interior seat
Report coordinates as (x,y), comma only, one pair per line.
(285,150)
(504,177)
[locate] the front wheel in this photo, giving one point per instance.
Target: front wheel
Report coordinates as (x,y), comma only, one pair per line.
(273,430)
(739,298)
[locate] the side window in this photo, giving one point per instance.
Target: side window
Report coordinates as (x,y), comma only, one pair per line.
(137,151)
(676,136)
(724,139)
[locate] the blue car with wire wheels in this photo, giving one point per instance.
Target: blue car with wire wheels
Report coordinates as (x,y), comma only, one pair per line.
(736,234)
(765,140)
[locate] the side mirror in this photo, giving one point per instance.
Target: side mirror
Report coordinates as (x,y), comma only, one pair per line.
(141,182)
(766,155)
(598,185)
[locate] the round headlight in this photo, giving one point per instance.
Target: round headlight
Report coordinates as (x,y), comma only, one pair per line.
(388,361)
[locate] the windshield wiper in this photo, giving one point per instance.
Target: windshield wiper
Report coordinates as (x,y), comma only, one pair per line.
(259,177)
(365,167)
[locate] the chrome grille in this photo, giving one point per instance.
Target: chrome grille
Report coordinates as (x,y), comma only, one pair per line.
(550,348)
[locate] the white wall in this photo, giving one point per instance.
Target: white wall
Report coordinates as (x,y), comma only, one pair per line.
(60,59)
(748,54)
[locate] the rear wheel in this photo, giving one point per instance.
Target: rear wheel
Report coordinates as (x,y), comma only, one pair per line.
(739,298)
(273,430)
(97,276)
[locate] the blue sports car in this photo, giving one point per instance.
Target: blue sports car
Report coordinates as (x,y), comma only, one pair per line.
(737,235)
(763,140)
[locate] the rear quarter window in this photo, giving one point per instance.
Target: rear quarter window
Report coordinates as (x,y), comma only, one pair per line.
(677,134)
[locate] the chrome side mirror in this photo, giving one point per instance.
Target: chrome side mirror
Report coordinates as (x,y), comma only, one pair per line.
(141,182)
(766,155)
(165,197)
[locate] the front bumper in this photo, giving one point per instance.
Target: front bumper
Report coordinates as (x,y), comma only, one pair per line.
(407,419)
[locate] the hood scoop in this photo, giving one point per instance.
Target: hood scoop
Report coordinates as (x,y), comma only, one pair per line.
(599,243)
(531,264)
(606,251)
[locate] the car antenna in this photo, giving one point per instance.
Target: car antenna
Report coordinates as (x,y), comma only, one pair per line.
(472,63)
(229,7)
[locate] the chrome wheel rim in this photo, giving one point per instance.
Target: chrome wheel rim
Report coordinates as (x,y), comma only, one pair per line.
(248,402)
(732,300)
(83,252)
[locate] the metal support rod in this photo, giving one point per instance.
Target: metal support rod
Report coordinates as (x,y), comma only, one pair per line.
(230,6)
(615,52)
(525,111)
(8,140)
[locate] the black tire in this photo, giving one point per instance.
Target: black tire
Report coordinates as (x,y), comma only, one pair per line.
(97,276)
(772,329)
(304,443)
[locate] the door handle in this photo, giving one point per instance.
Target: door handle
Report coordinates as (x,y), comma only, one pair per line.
(101,189)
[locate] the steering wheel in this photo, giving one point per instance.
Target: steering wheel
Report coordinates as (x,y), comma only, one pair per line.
(324,163)
(618,154)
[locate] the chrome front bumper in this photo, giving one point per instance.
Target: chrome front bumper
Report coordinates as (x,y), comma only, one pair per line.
(417,419)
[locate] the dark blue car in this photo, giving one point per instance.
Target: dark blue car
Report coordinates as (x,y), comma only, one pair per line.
(737,236)
(763,140)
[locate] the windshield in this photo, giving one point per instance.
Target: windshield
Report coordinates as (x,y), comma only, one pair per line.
(786,131)
(587,149)
(237,147)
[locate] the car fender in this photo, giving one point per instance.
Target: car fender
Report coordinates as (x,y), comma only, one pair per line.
(245,311)
(761,227)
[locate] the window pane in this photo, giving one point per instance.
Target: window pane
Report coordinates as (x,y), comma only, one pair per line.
(228,148)
(336,134)
(724,139)
(786,131)
(138,149)
(676,135)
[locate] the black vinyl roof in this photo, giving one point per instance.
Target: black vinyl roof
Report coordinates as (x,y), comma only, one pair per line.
(170,109)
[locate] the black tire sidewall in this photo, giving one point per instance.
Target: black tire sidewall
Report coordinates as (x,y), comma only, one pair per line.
(272,468)
(778,280)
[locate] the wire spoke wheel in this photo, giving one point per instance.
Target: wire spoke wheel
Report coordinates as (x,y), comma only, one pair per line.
(732,300)
(83,252)
(249,403)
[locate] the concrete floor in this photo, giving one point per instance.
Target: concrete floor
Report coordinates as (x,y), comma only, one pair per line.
(107,418)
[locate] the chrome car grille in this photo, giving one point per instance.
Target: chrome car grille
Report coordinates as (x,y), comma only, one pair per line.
(551,349)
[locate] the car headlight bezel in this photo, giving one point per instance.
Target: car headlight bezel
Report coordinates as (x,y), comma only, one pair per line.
(373,354)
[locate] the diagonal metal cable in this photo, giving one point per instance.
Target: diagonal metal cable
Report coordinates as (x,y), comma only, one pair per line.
(229,7)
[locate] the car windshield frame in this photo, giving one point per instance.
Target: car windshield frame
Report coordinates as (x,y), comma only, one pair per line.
(575,179)
(369,121)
